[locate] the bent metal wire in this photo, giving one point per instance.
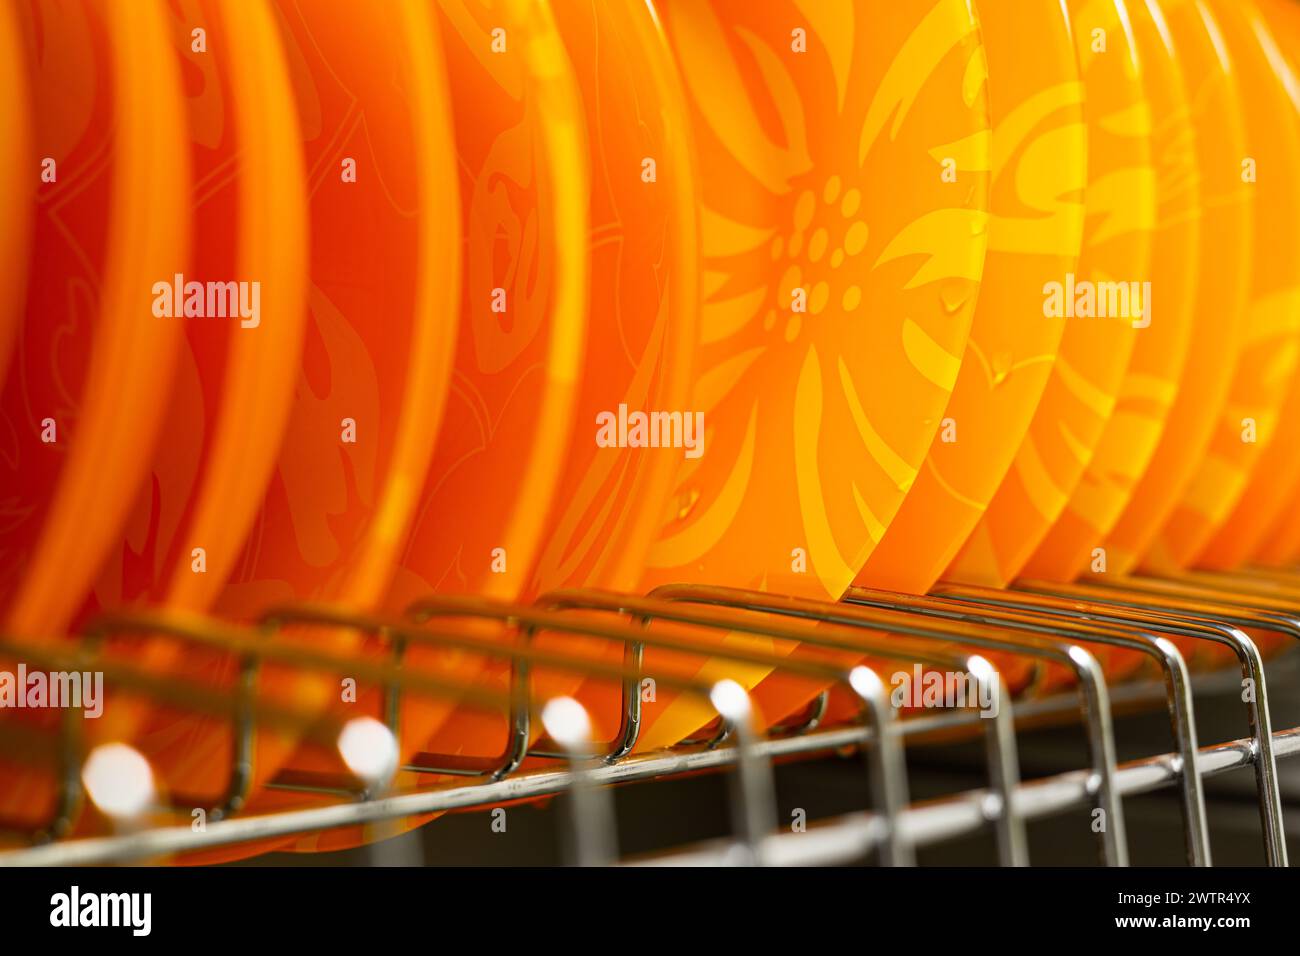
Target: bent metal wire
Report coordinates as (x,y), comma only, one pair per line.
(1036,623)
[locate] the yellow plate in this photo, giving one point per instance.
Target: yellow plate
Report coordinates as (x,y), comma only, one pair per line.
(1158,367)
(1282,544)
(1035,230)
(1095,351)
(1225,240)
(1275,475)
(1262,378)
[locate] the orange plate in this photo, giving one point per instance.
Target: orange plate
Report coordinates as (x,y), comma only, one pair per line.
(844,151)
(489,486)
(271,241)
(102,379)
(521,140)
(644,303)
(116,220)
(375,368)
(17,159)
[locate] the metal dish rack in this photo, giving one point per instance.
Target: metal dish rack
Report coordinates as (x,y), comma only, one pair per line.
(1035,624)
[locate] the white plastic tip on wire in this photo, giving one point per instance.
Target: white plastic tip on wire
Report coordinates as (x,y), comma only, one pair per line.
(567,722)
(981,668)
(730,700)
(865,682)
(119,781)
(1080,656)
(369,749)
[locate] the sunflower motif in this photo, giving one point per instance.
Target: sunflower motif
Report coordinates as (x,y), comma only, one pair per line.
(843,156)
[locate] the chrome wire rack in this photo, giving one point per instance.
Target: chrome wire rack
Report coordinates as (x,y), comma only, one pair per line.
(546,749)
